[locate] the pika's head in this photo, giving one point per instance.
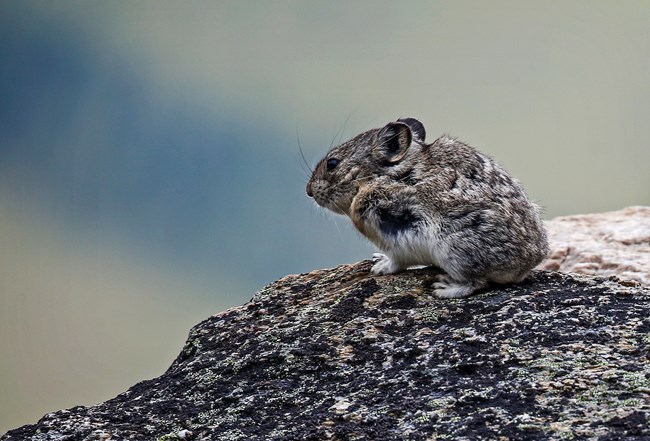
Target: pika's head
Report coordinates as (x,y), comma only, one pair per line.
(346,168)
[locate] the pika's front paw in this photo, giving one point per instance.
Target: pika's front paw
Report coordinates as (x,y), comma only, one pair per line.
(384,265)
(447,288)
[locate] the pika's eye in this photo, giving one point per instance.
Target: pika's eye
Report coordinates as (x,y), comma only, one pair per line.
(332,163)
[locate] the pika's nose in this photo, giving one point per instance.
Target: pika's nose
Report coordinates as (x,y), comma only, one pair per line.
(309,192)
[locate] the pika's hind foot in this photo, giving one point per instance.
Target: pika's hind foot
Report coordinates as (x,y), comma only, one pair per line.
(447,288)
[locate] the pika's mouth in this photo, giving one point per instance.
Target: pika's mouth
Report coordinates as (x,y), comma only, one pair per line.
(337,194)
(333,198)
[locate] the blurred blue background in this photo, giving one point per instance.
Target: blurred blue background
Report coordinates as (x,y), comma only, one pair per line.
(149,166)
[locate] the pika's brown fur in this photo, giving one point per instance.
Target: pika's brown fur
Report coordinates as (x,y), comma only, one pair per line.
(443,204)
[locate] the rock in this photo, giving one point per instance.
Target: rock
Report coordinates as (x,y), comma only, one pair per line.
(605,244)
(340,354)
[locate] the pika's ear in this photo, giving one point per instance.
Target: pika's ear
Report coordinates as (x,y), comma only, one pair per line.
(417,129)
(393,140)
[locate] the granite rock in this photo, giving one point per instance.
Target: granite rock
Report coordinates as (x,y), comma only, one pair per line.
(604,244)
(340,354)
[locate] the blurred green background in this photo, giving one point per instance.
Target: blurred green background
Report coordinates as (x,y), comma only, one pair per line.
(149,165)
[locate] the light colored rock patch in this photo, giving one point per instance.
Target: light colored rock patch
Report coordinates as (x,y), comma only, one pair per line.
(604,244)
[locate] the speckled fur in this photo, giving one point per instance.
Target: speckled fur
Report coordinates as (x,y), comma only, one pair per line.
(443,204)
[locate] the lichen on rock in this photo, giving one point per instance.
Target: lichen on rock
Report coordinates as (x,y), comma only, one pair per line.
(341,354)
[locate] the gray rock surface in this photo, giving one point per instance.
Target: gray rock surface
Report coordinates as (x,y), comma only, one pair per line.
(340,354)
(604,244)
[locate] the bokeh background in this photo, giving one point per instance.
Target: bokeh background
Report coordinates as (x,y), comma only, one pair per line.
(149,166)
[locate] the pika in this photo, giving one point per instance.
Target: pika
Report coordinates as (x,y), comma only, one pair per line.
(444,204)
